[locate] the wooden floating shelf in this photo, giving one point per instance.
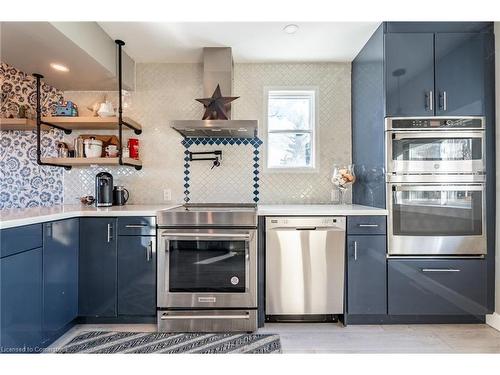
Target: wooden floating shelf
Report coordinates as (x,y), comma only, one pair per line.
(73,123)
(75,162)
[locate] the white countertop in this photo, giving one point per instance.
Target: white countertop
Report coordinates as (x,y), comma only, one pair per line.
(318,209)
(16,217)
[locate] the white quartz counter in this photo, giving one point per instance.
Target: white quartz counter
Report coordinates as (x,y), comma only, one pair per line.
(16,217)
(24,216)
(318,209)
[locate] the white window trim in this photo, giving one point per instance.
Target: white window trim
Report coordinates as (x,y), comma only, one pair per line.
(315,131)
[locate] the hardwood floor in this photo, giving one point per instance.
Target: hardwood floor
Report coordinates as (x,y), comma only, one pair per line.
(333,338)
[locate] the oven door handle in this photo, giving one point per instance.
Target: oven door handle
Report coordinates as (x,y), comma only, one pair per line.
(437,187)
(183,317)
(209,235)
(399,135)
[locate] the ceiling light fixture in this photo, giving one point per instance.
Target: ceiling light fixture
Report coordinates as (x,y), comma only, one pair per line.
(59,67)
(291,28)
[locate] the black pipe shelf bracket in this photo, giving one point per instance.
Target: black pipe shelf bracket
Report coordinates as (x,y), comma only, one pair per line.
(121,123)
(40,122)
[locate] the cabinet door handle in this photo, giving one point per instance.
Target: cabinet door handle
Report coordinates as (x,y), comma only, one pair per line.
(440,270)
(48,227)
(355,250)
(368,225)
(431,100)
(149,251)
(110,228)
(443,101)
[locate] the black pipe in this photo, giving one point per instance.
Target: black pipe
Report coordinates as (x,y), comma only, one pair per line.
(120,44)
(39,123)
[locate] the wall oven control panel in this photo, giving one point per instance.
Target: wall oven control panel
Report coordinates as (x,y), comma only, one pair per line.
(436,123)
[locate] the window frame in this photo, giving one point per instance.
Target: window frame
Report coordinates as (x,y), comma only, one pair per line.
(290,90)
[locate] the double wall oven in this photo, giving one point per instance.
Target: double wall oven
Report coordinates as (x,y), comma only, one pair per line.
(436,186)
(207,269)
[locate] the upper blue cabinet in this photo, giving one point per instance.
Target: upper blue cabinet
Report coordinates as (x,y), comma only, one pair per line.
(461,61)
(409,74)
(436,74)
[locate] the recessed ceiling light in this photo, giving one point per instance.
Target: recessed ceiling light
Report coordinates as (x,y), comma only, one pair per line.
(291,28)
(59,67)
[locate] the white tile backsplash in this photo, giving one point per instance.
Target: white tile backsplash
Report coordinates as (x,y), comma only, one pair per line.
(166,92)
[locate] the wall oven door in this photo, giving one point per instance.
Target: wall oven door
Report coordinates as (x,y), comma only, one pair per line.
(436,219)
(207,268)
(430,152)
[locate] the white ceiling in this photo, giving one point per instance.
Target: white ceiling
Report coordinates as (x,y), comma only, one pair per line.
(250,41)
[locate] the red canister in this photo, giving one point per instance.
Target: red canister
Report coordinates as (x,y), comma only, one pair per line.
(133,146)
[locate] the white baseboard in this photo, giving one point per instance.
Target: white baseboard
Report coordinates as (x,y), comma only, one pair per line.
(493,320)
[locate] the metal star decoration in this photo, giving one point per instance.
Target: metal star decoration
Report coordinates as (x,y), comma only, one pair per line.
(216,106)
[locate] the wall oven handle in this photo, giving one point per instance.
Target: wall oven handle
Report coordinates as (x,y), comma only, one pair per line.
(136,225)
(399,135)
(440,270)
(438,187)
(368,225)
(208,235)
(183,317)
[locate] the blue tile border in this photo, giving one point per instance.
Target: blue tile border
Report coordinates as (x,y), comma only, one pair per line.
(255,142)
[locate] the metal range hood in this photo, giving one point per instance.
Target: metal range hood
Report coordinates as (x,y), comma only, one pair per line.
(217,70)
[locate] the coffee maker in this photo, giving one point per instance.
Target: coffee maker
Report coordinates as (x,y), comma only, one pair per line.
(103,189)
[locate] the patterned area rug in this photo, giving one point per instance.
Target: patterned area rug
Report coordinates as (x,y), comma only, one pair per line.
(174,343)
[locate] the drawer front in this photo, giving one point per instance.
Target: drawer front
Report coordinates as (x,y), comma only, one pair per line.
(437,287)
(366,225)
(19,239)
(137,226)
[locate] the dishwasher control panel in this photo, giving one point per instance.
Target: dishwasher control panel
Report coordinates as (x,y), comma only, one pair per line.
(306,222)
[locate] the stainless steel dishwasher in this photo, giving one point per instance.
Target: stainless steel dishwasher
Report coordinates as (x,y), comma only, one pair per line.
(304,267)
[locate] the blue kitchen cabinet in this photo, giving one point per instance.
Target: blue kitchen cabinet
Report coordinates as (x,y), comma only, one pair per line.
(461,65)
(409,74)
(437,287)
(21,301)
(366,265)
(137,275)
(366,275)
(60,275)
(97,267)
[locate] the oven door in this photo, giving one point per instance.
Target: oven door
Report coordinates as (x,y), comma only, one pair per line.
(435,152)
(207,268)
(436,219)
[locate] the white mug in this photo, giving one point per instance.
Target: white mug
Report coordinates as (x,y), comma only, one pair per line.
(111,151)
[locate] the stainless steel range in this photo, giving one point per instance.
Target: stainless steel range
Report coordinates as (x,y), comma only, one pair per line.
(207,268)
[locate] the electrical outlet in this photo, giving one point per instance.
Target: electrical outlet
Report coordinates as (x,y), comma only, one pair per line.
(167,195)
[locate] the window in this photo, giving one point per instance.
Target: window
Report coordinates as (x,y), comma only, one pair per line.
(291,129)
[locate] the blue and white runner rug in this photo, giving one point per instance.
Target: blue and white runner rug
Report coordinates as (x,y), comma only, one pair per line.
(173,343)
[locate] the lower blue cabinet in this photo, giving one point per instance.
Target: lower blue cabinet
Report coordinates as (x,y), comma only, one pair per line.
(137,275)
(21,302)
(366,274)
(437,287)
(97,267)
(60,275)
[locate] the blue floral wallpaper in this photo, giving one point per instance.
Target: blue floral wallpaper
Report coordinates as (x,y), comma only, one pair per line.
(23,183)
